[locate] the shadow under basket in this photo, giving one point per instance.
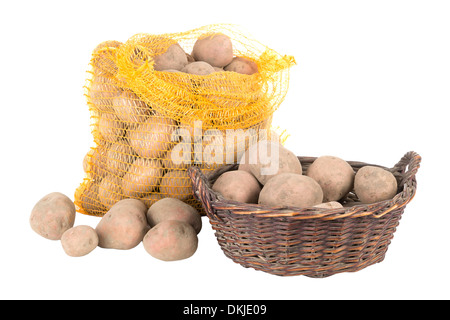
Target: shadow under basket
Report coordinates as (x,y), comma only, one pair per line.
(314,242)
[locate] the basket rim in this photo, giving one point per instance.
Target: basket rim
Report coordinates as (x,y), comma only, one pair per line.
(405,170)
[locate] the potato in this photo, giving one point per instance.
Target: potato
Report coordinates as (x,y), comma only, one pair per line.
(374,184)
(263,162)
(119,158)
(123,226)
(79,241)
(334,175)
(152,139)
(180,157)
(173,58)
(199,68)
(176,184)
(130,108)
(291,189)
(142,177)
(215,49)
(171,240)
(52,215)
(329,205)
(174,209)
(238,185)
(242,65)
(103,90)
(110,191)
(110,127)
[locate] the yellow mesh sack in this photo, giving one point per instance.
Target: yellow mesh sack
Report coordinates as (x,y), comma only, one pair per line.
(150,125)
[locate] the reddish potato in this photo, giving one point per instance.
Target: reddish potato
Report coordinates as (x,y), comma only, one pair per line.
(174,209)
(123,226)
(216,49)
(171,240)
(242,65)
(79,241)
(53,215)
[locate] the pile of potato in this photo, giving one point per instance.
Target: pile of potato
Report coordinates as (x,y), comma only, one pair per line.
(326,182)
(132,158)
(168,229)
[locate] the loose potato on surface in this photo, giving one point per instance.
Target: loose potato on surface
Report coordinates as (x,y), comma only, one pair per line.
(174,209)
(142,177)
(152,139)
(238,185)
(173,58)
(216,49)
(176,184)
(171,240)
(334,175)
(374,184)
(242,65)
(123,226)
(200,68)
(53,215)
(79,241)
(267,159)
(291,189)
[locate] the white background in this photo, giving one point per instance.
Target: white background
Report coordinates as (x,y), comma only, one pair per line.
(371,83)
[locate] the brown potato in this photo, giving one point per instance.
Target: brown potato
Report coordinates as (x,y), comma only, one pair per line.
(110,127)
(110,191)
(119,158)
(329,205)
(173,58)
(200,68)
(102,92)
(334,175)
(123,226)
(215,49)
(291,189)
(238,185)
(242,65)
(152,139)
(130,108)
(171,240)
(174,209)
(53,215)
(142,177)
(89,200)
(374,184)
(261,161)
(176,184)
(79,241)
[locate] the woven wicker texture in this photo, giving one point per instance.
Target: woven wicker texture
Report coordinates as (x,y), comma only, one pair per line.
(314,242)
(141,117)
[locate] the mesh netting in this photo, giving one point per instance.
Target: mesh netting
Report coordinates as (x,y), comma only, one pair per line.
(150,125)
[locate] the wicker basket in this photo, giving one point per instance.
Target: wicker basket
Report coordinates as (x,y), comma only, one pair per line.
(314,242)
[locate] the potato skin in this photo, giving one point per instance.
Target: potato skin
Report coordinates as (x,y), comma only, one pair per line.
(200,68)
(290,189)
(238,185)
(123,226)
(374,184)
(142,177)
(242,65)
(174,58)
(171,240)
(174,209)
(215,49)
(329,205)
(251,161)
(53,215)
(79,241)
(334,175)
